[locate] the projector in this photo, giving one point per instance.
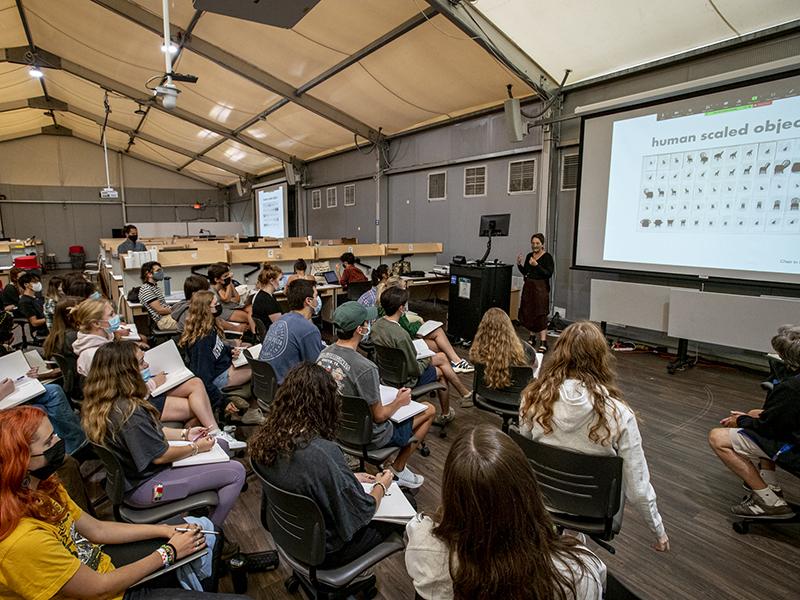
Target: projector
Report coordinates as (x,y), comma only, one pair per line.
(109,193)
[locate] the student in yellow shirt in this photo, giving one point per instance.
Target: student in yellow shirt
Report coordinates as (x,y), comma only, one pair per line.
(49,548)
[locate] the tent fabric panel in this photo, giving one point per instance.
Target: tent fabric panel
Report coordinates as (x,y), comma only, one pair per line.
(24,120)
(211,173)
(11,32)
(180,11)
(16,84)
(747,17)
(91,130)
(158,154)
(242,157)
(172,129)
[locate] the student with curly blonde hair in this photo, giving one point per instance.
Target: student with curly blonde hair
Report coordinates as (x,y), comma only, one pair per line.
(575,404)
(497,347)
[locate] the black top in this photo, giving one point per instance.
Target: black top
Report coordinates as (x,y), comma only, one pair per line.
(208,358)
(28,307)
(138,442)
(10,295)
(543,270)
(264,305)
(780,420)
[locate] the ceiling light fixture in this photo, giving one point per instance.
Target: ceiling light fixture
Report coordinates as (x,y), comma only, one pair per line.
(173,49)
(36,72)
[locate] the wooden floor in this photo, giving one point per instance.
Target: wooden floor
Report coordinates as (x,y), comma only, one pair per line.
(675,412)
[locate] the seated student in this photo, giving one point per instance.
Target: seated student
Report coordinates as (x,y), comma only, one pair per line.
(265,307)
(770,435)
(131,243)
(221,279)
(487,479)
(10,296)
(300,268)
(75,284)
(153,299)
(117,414)
(54,293)
(64,332)
(379,275)
(192,284)
(210,358)
(28,306)
(387,331)
(49,547)
(98,326)
(436,340)
(497,347)
(575,404)
(296,450)
(293,338)
(358,376)
(347,271)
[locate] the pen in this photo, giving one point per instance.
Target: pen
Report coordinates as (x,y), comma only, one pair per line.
(185,529)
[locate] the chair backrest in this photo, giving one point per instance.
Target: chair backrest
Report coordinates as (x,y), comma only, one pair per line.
(577,484)
(357,288)
(295,521)
(520,377)
(392,366)
(355,422)
(265,383)
(115,478)
(69,370)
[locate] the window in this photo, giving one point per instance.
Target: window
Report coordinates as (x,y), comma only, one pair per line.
(437,186)
(474,181)
(521,176)
(350,194)
(316,199)
(330,197)
(569,172)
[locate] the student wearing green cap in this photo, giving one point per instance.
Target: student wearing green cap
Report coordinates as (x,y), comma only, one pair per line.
(358,376)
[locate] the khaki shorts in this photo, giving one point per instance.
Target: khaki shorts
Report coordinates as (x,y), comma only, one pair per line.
(743,445)
(166,323)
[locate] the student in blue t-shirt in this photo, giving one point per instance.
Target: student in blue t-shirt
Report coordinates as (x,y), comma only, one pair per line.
(293,338)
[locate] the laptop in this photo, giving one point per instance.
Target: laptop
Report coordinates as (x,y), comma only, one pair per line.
(331,278)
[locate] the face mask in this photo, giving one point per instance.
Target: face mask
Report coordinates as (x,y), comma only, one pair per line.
(158,276)
(54,456)
(113,324)
(318,305)
(95,296)
(133,238)
(146,374)
(217,310)
(226,282)
(365,336)
(37,287)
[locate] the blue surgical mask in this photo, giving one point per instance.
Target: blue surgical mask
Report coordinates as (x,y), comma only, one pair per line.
(365,337)
(113,324)
(318,305)
(95,296)
(146,374)
(158,276)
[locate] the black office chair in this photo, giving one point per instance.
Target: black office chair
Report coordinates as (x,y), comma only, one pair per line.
(71,380)
(265,382)
(355,433)
(356,289)
(28,335)
(582,492)
(298,530)
(115,489)
(392,367)
(504,402)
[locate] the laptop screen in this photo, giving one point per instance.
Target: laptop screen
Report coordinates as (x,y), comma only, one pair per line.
(330,278)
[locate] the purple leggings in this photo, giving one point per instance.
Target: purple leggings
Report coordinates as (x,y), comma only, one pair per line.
(225,478)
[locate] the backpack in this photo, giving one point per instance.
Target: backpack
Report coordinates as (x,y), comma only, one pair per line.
(133,295)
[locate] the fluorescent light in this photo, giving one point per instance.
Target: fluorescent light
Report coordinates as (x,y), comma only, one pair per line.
(172,48)
(36,72)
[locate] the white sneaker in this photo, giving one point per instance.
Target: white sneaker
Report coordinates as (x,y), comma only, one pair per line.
(462,366)
(253,416)
(233,443)
(408,479)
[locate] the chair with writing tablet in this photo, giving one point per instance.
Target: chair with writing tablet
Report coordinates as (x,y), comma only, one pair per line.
(265,382)
(115,489)
(354,433)
(582,492)
(503,402)
(298,530)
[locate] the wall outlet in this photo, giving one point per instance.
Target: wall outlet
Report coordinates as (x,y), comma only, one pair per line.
(560,311)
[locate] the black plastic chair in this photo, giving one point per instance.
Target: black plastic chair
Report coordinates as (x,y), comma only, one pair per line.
(265,382)
(503,402)
(298,530)
(355,433)
(356,289)
(28,336)
(71,380)
(115,489)
(582,492)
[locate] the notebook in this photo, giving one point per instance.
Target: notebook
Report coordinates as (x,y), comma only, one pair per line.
(166,358)
(215,455)
(14,366)
(428,327)
(422,350)
(133,335)
(35,360)
(394,507)
(412,409)
(241,360)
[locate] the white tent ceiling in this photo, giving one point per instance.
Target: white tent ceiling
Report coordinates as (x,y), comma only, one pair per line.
(267,95)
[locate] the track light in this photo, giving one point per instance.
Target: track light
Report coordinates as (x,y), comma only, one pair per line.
(36,72)
(173,49)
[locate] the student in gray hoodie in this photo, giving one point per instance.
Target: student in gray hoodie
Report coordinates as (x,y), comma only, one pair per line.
(192,284)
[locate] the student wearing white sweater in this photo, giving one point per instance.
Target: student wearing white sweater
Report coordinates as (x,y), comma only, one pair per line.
(575,404)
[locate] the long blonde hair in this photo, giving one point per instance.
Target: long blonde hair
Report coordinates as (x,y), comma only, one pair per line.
(114,382)
(200,321)
(581,353)
(497,347)
(393,281)
(89,311)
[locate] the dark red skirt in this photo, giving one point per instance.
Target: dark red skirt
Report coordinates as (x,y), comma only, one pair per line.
(534,305)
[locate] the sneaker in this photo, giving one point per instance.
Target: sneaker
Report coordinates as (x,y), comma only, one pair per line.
(466,401)
(233,443)
(462,366)
(777,490)
(442,420)
(542,346)
(408,479)
(753,506)
(253,416)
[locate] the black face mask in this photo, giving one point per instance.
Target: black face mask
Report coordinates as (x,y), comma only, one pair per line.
(133,238)
(226,282)
(217,310)
(55,458)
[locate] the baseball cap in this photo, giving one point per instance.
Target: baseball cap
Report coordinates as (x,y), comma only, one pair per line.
(352,314)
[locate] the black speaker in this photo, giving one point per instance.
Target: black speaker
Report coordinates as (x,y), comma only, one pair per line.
(474,289)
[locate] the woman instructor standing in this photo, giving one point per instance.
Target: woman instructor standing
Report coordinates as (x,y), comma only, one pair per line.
(537,268)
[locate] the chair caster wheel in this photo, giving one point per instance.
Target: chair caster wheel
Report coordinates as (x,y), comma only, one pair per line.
(292,584)
(425,451)
(741,527)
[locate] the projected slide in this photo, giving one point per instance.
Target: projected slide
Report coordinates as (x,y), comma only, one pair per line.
(716,188)
(271,204)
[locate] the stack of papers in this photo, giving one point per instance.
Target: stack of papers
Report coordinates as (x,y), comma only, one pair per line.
(241,360)
(166,358)
(394,507)
(422,349)
(215,455)
(14,366)
(428,327)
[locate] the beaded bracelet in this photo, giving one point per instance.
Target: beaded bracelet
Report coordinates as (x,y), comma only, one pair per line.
(380,485)
(195,449)
(165,562)
(173,550)
(184,433)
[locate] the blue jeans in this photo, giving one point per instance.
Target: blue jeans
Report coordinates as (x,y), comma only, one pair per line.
(65,422)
